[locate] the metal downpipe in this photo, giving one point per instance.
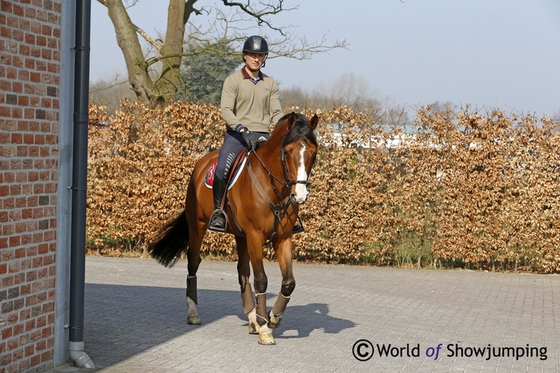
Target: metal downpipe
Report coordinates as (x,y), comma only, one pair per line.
(79,186)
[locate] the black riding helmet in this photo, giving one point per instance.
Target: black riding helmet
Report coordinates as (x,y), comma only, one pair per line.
(256,44)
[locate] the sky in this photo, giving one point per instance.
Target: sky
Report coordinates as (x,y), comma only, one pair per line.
(488,54)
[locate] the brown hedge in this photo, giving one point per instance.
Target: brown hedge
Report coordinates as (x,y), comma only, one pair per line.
(467,190)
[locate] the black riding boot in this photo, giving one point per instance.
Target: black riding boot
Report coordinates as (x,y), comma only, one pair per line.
(218,219)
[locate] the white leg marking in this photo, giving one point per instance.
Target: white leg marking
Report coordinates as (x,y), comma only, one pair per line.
(274,320)
(192,315)
(253,325)
(265,336)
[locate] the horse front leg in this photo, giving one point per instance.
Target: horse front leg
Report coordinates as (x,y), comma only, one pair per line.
(244,273)
(284,254)
(260,283)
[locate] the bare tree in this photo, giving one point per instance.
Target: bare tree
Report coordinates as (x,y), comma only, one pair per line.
(109,93)
(352,90)
(160,85)
(396,116)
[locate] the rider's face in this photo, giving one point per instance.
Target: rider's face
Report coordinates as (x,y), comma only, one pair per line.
(254,60)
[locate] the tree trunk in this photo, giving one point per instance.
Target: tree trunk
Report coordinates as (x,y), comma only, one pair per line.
(128,41)
(168,80)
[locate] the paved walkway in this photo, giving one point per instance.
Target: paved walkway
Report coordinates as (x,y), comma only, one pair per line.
(136,320)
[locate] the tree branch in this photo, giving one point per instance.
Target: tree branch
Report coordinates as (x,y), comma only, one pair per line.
(140,32)
(148,38)
(268,10)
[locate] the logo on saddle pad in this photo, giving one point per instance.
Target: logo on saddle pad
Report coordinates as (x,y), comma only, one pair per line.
(209,179)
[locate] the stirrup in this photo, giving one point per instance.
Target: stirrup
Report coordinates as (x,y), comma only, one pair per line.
(298,227)
(215,223)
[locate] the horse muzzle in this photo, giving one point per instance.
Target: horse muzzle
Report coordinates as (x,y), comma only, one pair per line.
(300,194)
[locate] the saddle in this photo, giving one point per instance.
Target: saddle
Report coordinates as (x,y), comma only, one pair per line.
(237,166)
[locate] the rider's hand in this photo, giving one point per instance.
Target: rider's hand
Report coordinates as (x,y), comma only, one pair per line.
(249,137)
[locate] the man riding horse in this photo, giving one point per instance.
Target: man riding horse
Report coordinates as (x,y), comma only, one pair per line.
(263,204)
(250,103)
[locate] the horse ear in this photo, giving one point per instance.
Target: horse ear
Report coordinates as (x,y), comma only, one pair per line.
(313,122)
(291,120)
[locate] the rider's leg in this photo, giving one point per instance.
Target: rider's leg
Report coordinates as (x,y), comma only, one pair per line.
(229,151)
(233,145)
(218,220)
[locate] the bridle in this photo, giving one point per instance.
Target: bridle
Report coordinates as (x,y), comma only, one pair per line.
(280,208)
(290,182)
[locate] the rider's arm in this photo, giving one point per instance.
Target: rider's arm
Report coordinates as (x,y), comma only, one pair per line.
(276,111)
(227,104)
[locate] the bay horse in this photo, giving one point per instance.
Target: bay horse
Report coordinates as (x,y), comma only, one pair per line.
(262,206)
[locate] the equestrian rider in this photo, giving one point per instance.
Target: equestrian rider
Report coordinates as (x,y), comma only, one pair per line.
(250,103)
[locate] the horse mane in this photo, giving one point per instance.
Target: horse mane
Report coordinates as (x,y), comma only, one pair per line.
(300,129)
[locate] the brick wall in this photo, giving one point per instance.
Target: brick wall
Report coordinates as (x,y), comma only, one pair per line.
(29,99)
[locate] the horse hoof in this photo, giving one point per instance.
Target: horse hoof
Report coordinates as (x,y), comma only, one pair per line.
(254,328)
(193,320)
(275,321)
(266,339)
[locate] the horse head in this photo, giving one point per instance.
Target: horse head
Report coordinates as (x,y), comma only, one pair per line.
(299,149)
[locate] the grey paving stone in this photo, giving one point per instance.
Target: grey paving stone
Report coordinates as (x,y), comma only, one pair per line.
(136,319)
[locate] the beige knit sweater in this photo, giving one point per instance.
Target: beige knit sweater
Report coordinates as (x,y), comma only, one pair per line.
(255,106)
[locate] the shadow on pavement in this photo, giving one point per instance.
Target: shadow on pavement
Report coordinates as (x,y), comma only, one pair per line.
(318,316)
(123,321)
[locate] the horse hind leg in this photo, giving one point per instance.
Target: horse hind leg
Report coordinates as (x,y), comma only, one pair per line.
(247,297)
(177,235)
(192,300)
(193,262)
(249,306)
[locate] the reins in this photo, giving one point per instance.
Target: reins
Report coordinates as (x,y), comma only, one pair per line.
(280,208)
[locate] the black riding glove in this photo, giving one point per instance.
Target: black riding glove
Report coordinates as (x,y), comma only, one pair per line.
(248,136)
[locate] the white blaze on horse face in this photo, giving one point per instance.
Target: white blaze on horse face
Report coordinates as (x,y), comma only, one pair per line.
(301,189)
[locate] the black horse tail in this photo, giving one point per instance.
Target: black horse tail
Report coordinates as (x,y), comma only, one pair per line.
(172,241)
